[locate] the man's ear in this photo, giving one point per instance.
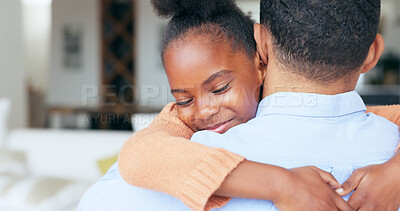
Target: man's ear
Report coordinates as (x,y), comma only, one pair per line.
(261,68)
(260,35)
(374,53)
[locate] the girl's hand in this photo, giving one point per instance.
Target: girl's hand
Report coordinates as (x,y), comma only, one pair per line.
(306,188)
(310,188)
(377,187)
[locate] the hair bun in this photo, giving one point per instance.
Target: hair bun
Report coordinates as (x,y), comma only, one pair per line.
(203,8)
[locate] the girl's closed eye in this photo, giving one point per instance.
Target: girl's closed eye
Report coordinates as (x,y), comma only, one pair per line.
(184,102)
(222,89)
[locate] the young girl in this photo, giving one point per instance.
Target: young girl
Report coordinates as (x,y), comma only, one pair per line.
(212,41)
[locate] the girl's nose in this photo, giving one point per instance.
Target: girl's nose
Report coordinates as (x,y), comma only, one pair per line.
(206,112)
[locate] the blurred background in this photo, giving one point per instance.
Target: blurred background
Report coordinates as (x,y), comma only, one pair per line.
(74,73)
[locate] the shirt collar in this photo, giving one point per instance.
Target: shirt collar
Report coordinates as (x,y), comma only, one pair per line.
(310,104)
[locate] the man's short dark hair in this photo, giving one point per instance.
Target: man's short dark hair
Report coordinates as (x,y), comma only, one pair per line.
(324,40)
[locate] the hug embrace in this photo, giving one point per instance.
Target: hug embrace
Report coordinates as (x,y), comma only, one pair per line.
(266,116)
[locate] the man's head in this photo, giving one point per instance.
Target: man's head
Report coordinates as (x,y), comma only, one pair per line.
(321,40)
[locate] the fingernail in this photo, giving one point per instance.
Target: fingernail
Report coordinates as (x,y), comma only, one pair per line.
(340,190)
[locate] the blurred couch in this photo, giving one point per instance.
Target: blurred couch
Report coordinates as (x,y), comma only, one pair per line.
(70,154)
(48,170)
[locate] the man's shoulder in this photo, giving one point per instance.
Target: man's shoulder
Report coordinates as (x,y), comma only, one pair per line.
(383,122)
(251,130)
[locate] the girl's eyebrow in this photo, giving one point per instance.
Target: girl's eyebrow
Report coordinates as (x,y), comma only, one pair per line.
(177,91)
(216,75)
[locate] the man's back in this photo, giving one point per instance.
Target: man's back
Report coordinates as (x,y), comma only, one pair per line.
(300,129)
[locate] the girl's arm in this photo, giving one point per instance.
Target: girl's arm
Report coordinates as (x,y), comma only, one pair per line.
(391,112)
(162,158)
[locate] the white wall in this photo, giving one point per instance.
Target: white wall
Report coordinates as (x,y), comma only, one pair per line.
(150,75)
(252,6)
(36,20)
(65,85)
(391,25)
(12,76)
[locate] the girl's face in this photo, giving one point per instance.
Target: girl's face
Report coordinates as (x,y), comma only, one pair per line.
(215,87)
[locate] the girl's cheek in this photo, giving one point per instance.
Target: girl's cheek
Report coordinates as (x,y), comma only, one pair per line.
(239,98)
(245,102)
(186,115)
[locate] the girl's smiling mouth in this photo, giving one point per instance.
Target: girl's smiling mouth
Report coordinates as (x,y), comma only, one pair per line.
(221,127)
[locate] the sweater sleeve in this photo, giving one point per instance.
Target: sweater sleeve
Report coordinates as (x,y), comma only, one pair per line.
(162,158)
(391,113)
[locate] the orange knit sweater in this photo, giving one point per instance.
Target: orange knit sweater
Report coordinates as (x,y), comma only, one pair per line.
(162,158)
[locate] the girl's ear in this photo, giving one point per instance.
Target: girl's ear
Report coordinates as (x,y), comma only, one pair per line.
(260,34)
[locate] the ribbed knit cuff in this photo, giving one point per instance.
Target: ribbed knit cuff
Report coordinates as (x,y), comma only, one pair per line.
(216,202)
(206,178)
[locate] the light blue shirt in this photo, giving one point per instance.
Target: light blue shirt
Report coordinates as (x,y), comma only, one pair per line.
(332,132)
(300,129)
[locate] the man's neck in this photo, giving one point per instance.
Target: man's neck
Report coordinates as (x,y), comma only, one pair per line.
(282,81)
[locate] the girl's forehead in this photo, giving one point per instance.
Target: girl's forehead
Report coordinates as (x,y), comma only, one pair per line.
(200,52)
(195,39)
(196,59)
